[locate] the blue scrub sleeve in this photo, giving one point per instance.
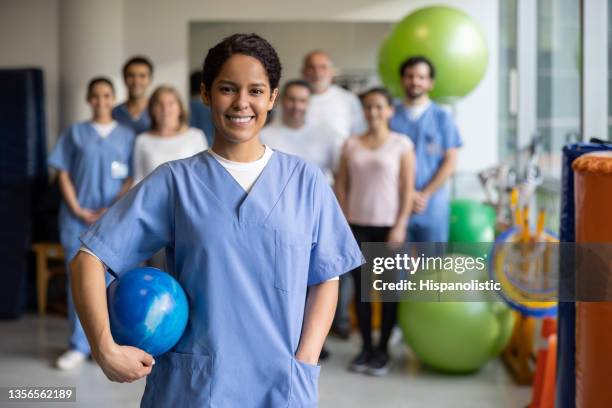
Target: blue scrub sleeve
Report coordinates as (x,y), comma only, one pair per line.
(334,250)
(450,133)
(136,226)
(62,155)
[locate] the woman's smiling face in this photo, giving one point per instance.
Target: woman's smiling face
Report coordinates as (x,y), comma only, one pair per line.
(240,98)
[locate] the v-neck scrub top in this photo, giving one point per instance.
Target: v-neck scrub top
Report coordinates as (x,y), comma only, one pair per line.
(98,167)
(139,125)
(245,262)
(432,133)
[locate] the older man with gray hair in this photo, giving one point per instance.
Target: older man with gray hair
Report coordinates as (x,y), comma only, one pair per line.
(336,108)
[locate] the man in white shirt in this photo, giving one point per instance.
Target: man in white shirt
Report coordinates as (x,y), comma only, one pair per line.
(330,104)
(335,107)
(314,143)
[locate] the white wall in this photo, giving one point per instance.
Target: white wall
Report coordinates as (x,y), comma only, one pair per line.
(353,46)
(160,29)
(91,44)
(29,38)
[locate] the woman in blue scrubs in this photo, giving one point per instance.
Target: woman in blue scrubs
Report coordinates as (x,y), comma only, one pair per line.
(94,160)
(255,237)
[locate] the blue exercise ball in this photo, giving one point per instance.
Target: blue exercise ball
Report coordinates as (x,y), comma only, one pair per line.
(147,309)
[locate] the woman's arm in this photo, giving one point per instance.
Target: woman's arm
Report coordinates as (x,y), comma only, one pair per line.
(119,363)
(70,197)
(320,309)
(341,184)
(406,197)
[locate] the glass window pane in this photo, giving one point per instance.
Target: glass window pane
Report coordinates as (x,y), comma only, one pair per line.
(558,79)
(508,77)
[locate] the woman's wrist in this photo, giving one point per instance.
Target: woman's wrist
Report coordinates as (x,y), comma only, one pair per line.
(103,347)
(401,222)
(307,357)
(77,211)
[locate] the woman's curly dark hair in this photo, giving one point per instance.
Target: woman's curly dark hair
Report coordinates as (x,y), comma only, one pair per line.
(244,44)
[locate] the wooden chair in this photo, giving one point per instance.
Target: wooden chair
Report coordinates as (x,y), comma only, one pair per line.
(45,252)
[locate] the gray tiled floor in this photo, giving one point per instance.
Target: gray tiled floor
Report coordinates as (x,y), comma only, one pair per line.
(28,347)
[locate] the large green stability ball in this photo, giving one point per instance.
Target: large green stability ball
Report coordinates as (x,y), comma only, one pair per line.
(456,337)
(471,221)
(450,38)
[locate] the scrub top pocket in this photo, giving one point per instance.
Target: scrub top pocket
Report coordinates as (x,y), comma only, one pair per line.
(432,145)
(304,385)
(179,380)
(292,260)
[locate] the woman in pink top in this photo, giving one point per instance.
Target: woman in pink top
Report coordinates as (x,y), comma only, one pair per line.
(374,186)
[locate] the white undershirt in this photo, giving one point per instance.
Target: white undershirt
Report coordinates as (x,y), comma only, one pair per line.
(245,174)
(104,129)
(415,112)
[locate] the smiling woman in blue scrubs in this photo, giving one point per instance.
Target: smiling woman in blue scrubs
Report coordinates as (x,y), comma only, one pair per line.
(255,237)
(93,159)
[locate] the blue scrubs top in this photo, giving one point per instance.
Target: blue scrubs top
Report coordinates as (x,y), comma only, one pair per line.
(200,117)
(432,134)
(97,167)
(245,262)
(140,125)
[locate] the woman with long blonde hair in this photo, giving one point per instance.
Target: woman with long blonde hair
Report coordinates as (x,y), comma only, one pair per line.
(170,137)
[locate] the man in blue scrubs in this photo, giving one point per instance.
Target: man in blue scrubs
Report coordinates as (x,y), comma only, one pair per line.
(436,141)
(133,113)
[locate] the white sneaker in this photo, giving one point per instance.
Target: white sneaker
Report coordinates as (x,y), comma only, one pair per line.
(70,360)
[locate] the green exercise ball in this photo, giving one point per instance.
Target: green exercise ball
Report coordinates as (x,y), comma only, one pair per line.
(472,228)
(387,70)
(450,38)
(471,221)
(456,337)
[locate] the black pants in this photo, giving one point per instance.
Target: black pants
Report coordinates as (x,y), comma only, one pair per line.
(364,309)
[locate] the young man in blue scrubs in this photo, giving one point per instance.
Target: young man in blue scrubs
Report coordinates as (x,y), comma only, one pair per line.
(133,113)
(256,238)
(436,142)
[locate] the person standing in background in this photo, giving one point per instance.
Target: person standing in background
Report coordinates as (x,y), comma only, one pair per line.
(169,137)
(294,136)
(137,75)
(199,114)
(339,109)
(436,140)
(375,187)
(330,104)
(93,160)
